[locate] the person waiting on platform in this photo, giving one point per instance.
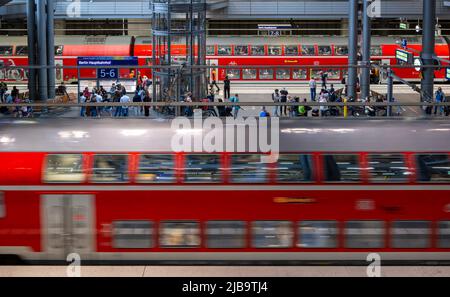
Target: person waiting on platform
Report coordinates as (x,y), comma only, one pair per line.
(439,98)
(124,99)
(313,88)
(264,113)
(214,79)
(236,108)
(226,88)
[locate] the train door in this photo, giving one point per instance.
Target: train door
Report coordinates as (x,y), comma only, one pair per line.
(383,76)
(68,225)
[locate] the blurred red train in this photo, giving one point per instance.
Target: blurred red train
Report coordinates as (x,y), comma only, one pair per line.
(222,51)
(339,191)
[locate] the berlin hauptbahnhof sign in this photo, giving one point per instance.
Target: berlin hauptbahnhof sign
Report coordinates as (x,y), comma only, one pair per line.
(110,72)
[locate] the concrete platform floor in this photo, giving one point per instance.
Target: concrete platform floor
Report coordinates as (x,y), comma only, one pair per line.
(222,271)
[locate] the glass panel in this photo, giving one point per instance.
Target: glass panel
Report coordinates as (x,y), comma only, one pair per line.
(342,168)
(64,168)
(364,234)
(410,234)
(248,73)
(132,234)
(375,51)
(203,169)
(317,234)
(233,73)
(388,168)
(294,168)
(265,73)
(333,73)
(225,234)
(21,50)
(258,50)
(324,50)
(110,168)
(224,50)
(444,235)
(291,50)
(156,169)
(241,50)
(248,169)
(299,74)
(308,50)
(6,50)
(283,74)
(433,168)
(272,234)
(274,50)
(210,51)
(341,50)
(179,234)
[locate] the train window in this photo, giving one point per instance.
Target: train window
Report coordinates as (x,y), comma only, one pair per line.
(224,50)
(324,50)
(132,234)
(317,234)
(64,168)
(248,73)
(444,234)
(241,50)
(433,168)
(177,234)
(291,50)
(21,50)
(294,168)
(6,50)
(265,73)
(342,168)
(2,205)
(210,50)
(341,50)
(376,51)
(308,50)
(248,169)
(410,234)
(233,73)
(283,74)
(274,50)
(59,50)
(299,74)
(226,234)
(203,169)
(388,168)
(272,234)
(258,50)
(156,169)
(333,73)
(110,168)
(364,234)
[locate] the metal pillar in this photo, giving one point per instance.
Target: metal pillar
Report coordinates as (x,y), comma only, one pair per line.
(31,30)
(365,74)
(428,42)
(390,90)
(352,47)
(51,49)
(41,18)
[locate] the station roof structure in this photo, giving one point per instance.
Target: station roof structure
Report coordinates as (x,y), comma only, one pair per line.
(227,9)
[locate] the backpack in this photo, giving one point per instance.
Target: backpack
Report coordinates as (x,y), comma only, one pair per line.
(301,110)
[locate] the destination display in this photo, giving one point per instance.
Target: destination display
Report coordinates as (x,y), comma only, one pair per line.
(404,57)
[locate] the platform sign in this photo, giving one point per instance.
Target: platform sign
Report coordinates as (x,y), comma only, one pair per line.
(110,72)
(447,73)
(404,56)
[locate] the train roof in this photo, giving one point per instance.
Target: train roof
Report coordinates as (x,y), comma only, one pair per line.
(151,135)
(72,40)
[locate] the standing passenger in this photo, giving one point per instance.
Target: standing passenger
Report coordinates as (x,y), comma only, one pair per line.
(312,88)
(276,99)
(125,99)
(235,99)
(283,98)
(226,87)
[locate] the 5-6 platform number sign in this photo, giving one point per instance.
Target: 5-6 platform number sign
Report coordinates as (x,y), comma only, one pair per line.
(107,73)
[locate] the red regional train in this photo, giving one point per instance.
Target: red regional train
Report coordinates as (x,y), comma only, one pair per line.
(223,51)
(338,191)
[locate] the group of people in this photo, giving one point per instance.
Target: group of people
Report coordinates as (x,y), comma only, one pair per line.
(117,93)
(14,97)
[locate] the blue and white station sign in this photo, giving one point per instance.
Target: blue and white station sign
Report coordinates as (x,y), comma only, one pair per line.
(111,72)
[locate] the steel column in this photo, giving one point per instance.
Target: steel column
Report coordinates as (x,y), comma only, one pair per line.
(41,17)
(365,71)
(31,30)
(428,43)
(352,47)
(51,48)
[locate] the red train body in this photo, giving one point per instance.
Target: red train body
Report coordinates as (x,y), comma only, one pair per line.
(203,210)
(224,51)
